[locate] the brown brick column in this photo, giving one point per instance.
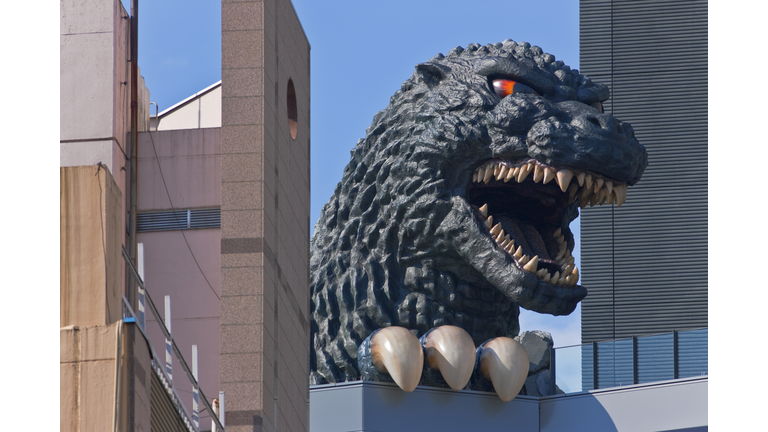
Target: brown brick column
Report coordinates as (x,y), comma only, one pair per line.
(264,218)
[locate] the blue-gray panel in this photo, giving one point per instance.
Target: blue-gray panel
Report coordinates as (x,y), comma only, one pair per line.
(382,407)
(667,406)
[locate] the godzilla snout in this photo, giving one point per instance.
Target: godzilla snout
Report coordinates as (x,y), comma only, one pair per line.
(589,141)
(605,126)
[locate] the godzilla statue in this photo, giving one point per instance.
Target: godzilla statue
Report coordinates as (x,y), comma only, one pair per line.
(454,209)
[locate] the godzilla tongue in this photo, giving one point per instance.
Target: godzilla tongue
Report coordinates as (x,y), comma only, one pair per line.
(525,235)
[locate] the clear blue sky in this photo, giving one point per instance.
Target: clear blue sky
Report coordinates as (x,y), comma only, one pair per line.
(361,53)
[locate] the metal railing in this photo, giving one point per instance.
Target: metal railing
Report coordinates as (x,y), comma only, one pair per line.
(629,361)
(162,369)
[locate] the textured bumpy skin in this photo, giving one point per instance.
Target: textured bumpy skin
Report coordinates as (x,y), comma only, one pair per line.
(399,242)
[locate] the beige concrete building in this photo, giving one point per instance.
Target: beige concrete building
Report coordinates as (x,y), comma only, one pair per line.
(223,218)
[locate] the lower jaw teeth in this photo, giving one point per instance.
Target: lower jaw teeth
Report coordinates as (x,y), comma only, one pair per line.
(569,275)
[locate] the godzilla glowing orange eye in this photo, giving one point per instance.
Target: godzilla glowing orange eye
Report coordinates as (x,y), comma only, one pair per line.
(506,87)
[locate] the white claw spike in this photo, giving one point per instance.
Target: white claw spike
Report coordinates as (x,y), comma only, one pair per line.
(504,362)
(488,174)
(564,177)
(599,184)
(512,173)
(621,193)
(580,177)
(397,352)
(532,265)
(549,174)
(502,173)
(450,350)
(523,173)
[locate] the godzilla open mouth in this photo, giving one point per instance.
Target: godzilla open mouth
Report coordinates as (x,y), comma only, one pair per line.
(524,211)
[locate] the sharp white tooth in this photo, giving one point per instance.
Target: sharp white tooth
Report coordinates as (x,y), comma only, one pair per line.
(621,193)
(592,200)
(561,238)
(496,228)
(546,277)
(512,173)
(496,169)
(570,260)
(598,184)
(557,233)
(541,272)
(568,269)
(532,265)
(450,350)
(519,252)
(561,255)
(397,352)
(500,237)
(538,173)
(502,173)
(580,178)
(489,222)
(564,177)
(549,174)
(488,173)
(572,189)
(523,173)
(555,277)
(484,210)
(474,177)
(588,180)
(523,260)
(609,185)
(505,363)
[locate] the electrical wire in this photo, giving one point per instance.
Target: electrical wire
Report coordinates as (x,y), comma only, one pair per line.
(162,177)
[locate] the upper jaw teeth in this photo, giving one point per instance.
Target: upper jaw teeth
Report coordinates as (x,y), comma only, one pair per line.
(586,187)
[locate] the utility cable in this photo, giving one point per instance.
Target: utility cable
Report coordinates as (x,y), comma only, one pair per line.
(162,177)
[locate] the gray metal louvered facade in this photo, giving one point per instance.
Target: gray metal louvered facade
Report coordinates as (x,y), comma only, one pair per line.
(645,263)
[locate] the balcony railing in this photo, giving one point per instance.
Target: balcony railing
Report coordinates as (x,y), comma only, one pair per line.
(635,360)
(162,365)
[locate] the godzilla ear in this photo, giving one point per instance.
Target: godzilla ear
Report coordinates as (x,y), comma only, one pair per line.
(431,72)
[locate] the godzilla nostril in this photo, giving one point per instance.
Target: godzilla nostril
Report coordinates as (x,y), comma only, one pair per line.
(594,121)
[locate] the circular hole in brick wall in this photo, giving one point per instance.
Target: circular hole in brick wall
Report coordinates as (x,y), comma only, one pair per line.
(293,111)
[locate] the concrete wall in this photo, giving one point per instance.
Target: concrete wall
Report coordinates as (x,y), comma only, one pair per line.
(202,110)
(264,218)
(90,242)
(190,162)
(95,85)
(99,365)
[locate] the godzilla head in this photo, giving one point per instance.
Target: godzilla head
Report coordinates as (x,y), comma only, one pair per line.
(458,200)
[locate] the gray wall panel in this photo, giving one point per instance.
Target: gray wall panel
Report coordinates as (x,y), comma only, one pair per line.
(645,264)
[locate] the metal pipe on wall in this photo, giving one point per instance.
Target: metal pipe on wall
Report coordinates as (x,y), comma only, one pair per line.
(134,47)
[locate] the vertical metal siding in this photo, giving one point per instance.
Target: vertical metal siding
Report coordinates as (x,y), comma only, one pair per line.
(645,264)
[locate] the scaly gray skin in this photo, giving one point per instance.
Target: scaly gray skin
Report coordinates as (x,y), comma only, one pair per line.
(401,241)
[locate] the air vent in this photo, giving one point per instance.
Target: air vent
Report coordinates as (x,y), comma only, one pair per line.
(178,220)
